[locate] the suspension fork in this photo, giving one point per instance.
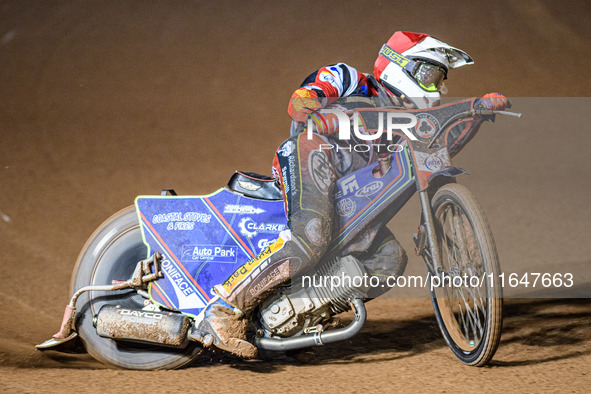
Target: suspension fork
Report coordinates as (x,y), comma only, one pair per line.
(426,239)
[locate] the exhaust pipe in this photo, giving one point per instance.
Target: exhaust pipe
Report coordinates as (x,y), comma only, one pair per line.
(319,338)
(136,325)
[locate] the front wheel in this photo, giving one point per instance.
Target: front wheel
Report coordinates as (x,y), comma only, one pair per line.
(468,301)
(112,253)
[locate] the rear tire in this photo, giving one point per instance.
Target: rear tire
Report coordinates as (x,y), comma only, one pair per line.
(470,317)
(111,253)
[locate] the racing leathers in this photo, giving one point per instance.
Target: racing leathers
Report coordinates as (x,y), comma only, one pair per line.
(307,177)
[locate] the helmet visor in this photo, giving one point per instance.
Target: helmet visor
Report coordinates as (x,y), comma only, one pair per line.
(429,76)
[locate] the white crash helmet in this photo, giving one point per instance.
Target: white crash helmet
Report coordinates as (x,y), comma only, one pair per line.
(412,66)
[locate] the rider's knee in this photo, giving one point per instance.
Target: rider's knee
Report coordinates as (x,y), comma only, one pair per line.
(389,260)
(315,234)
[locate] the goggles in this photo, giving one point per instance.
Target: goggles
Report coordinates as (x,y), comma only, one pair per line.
(427,75)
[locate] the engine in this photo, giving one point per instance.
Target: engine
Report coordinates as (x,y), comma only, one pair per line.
(298,311)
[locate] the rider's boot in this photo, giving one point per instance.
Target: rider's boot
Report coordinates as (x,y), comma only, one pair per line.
(223,326)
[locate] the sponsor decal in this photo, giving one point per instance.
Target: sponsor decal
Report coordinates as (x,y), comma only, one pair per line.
(369,189)
(320,170)
(259,262)
(274,274)
(326,76)
(349,185)
(211,253)
(186,296)
(249,186)
(346,207)
(249,228)
(264,243)
(288,175)
(394,56)
(314,231)
(286,183)
(286,148)
(181,221)
(242,209)
(427,125)
(148,315)
(432,162)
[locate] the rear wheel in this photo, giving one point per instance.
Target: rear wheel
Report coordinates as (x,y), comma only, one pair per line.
(468,304)
(112,253)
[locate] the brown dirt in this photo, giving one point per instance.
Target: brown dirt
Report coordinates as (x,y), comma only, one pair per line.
(102,101)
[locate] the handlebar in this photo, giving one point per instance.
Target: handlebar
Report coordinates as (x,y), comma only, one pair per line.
(490,112)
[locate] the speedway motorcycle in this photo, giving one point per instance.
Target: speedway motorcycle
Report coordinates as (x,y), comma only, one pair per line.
(146,273)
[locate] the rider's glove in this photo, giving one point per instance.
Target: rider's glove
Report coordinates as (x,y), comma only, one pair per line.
(492,101)
(303,102)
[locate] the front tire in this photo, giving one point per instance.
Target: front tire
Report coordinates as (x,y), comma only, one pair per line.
(111,253)
(469,315)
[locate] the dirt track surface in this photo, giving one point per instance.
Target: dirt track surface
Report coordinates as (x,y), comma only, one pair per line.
(100,102)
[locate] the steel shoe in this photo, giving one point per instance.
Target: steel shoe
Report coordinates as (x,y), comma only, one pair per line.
(223,326)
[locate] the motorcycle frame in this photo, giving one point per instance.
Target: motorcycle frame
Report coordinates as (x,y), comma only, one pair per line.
(426,239)
(427,182)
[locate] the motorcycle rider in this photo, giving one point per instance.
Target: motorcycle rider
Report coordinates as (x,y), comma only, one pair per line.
(409,71)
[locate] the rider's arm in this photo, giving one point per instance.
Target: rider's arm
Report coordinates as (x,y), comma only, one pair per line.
(324,87)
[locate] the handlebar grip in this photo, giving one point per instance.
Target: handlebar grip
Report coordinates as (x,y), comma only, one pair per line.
(484,112)
(489,113)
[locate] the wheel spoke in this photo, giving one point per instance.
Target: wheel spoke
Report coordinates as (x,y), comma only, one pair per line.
(461,257)
(472,321)
(468,311)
